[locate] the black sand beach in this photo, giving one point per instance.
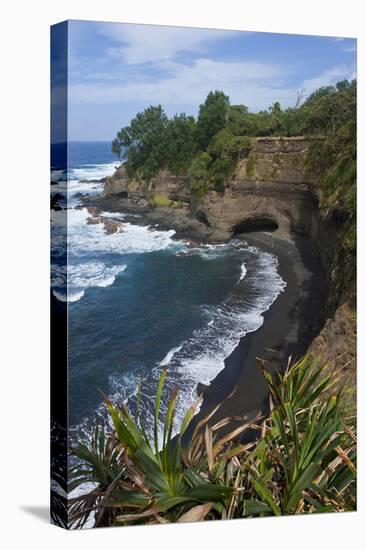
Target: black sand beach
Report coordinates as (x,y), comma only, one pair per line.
(287,330)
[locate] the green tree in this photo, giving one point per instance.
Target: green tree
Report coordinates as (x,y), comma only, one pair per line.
(226,150)
(121,142)
(181,145)
(293,121)
(145,142)
(331,159)
(212,117)
(237,116)
(199,175)
(330,107)
(116,148)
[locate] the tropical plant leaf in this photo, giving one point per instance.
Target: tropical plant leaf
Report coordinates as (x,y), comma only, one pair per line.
(197,513)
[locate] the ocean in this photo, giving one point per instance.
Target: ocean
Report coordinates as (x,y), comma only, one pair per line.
(140,300)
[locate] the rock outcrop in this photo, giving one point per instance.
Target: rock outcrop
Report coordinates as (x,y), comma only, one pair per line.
(269,191)
(336,344)
(175,188)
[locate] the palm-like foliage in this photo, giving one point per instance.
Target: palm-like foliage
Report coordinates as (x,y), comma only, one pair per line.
(303,460)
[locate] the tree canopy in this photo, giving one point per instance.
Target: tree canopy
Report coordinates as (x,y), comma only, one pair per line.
(212,117)
(180,143)
(144,142)
(332,160)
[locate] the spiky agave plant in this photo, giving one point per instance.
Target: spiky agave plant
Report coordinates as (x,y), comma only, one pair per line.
(101,465)
(139,480)
(303,460)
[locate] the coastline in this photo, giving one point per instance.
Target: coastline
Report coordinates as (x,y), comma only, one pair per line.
(287,330)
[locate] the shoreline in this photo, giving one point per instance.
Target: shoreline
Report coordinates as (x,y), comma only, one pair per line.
(287,330)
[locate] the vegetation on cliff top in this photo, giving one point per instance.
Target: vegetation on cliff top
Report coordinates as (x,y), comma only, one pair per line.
(208,149)
(302,461)
(332,163)
(332,160)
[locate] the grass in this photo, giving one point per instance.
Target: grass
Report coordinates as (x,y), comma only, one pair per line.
(303,460)
(250,166)
(162,200)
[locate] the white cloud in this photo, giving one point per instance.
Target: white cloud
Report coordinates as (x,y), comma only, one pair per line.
(350,43)
(254,84)
(137,44)
(329,77)
(246,82)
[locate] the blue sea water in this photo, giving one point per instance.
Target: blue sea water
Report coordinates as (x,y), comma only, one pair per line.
(139,299)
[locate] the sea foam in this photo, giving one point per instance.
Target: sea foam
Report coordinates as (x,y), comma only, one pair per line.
(87,242)
(86,180)
(243,272)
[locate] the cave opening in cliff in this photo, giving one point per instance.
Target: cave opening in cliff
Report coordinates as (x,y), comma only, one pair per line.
(262,223)
(201,216)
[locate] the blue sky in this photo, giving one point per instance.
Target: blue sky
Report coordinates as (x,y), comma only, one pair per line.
(116,70)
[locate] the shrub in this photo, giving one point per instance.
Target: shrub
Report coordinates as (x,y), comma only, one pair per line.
(162,200)
(303,460)
(199,175)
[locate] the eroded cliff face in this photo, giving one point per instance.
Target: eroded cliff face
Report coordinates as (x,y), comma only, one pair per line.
(165,184)
(269,190)
(336,345)
(279,160)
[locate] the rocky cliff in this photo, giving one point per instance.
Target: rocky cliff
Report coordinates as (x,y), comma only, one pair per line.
(175,188)
(269,190)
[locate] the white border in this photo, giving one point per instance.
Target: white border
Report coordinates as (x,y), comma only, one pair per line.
(24,132)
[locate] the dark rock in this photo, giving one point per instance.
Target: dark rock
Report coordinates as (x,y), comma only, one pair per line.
(55,199)
(92,181)
(110,227)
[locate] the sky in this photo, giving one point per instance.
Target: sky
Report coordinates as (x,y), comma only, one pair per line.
(116,70)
